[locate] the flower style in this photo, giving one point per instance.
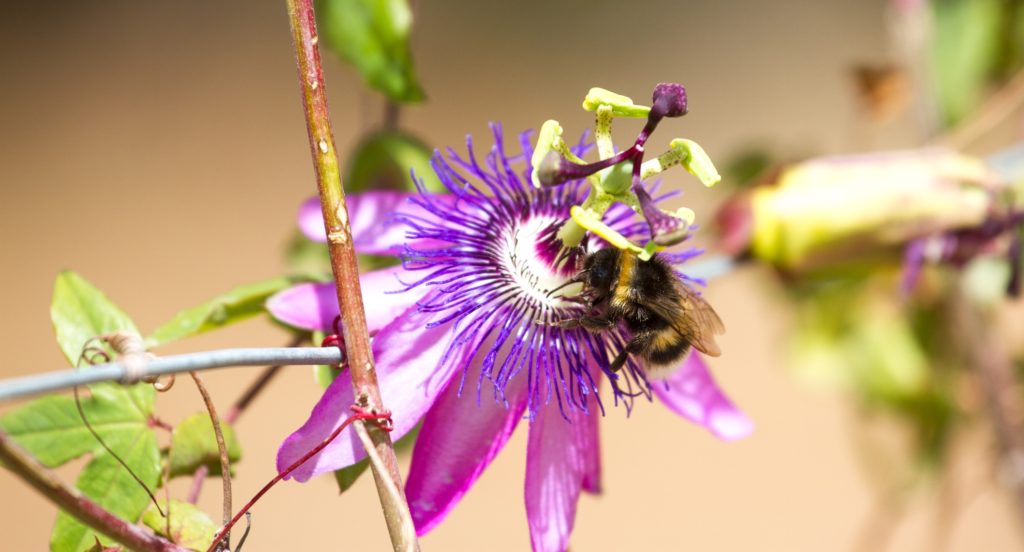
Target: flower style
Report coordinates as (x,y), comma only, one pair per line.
(467,340)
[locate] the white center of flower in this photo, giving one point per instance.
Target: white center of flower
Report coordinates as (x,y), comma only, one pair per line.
(531,273)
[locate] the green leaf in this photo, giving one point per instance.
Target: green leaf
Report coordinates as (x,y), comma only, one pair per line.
(346,477)
(387,159)
(373,35)
(51,429)
(965,52)
(107,483)
(80,312)
(190,526)
(194,444)
(98,547)
(234,306)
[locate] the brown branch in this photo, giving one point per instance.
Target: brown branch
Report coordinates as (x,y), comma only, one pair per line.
(999,107)
(243,402)
(989,358)
(358,415)
(22,464)
(343,255)
(225,462)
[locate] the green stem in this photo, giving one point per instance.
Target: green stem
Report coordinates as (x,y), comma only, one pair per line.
(343,257)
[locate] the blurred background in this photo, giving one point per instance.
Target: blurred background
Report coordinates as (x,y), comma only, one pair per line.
(159,149)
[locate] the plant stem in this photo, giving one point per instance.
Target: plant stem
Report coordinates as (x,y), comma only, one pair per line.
(243,402)
(74,503)
(342,252)
(222,449)
(989,358)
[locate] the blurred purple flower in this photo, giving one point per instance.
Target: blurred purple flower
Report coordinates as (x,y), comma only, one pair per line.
(467,345)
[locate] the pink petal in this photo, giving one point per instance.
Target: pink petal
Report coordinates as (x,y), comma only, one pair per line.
(311,220)
(408,370)
(591,447)
(457,441)
(373,230)
(558,459)
(692,393)
(314,306)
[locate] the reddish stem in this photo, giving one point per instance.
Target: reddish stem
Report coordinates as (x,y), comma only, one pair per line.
(343,256)
(359,415)
(78,506)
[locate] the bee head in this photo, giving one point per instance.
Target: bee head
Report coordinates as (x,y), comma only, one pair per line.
(601,269)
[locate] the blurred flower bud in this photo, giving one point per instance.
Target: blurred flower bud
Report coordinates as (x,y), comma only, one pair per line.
(836,210)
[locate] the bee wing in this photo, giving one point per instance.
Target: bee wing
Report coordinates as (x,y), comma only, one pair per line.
(692,317)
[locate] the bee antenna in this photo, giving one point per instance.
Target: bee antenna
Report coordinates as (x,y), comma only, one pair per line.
(574,280)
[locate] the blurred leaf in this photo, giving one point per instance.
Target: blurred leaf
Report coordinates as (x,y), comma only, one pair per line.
(307,257)
(51,429)
(373,35)
(346,477)
(985,280)
(190,526)
(234,306)
(193,444)
(748,164)
(965,52)
(80,312)
(107,483)
(387,159)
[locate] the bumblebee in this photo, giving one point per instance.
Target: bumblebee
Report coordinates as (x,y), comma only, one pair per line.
(663,315)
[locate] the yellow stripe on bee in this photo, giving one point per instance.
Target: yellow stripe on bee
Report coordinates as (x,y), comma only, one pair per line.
(665,339)
(625,275)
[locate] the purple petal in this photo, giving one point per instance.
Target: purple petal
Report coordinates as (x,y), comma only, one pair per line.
(374,229)
(408,370)
(458,440)
(591,447)
(692,393)
(557,459)
(311,220)
(314,306)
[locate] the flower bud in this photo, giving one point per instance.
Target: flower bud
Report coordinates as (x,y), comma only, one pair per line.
(669,100)
(835,210)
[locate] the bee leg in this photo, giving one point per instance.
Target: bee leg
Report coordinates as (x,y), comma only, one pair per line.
(639,343)
(590,323)
(619,361)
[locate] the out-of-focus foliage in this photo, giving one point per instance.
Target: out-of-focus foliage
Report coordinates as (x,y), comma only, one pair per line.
(228,308)
(895,357)
(976,44)
(190,526)
(194,444)
(373,35)
(386,160)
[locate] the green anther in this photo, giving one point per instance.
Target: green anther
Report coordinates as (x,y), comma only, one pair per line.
(649,250)
(622,106)
(696,161)
(603,132)
(592,222)
(550,134)
(686,214)
(663,162)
